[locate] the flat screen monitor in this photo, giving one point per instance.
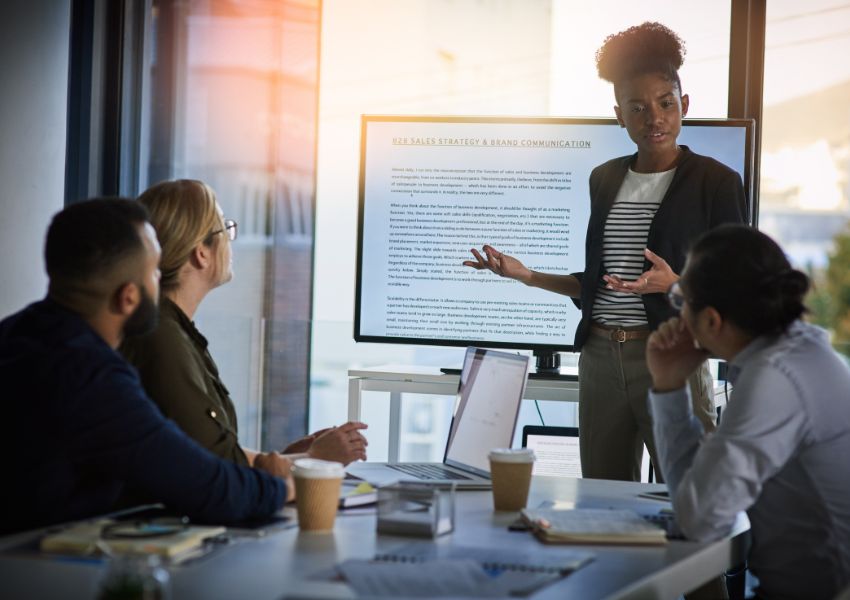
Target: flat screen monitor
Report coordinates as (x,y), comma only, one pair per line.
(431,188)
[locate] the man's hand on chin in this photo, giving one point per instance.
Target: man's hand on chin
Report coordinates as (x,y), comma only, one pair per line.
(672,356)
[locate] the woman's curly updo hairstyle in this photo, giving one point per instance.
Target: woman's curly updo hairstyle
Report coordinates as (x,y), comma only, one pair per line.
(646,48)
(745,276)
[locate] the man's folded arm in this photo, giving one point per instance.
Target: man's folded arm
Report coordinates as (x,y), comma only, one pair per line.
(129,439)
(713,478)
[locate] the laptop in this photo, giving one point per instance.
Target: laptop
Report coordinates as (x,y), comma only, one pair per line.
(556,450)
(489,394)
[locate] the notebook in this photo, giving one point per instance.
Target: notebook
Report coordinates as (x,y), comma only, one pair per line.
(91,538)
(489,394)
(593,526)
(354,493)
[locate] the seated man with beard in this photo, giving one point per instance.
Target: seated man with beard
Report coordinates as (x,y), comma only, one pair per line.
(81,431)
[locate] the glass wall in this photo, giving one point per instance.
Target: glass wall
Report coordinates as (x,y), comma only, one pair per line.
(494,57)
(233,102)
(805,161)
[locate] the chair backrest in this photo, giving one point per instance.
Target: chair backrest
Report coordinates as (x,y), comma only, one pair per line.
(844,594)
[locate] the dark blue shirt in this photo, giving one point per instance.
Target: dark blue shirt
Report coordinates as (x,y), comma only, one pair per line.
(80,431)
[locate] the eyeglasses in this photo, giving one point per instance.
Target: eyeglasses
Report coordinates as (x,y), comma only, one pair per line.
(675,297)
(231,228)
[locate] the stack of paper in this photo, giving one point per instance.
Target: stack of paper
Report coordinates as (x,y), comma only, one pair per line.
(592,526)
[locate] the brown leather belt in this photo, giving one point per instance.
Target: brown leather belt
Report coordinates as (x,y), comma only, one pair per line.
(618,334)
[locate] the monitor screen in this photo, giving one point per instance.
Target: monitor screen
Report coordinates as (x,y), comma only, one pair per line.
(431,188)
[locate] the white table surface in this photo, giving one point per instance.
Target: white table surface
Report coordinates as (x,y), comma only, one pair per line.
(281,564)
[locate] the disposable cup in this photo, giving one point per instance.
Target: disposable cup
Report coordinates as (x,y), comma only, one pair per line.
(510,471)
(317,486)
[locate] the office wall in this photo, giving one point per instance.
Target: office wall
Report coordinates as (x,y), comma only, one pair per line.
(34,39)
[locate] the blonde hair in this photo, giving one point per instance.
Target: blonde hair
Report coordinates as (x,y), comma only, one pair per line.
(184,213)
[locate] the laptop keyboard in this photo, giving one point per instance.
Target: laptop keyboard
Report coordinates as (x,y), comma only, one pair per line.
(426,472)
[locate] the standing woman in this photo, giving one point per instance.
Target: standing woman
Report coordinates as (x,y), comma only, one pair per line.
(175,366)
(646,209)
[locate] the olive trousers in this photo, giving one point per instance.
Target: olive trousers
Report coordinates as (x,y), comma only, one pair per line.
(614,419)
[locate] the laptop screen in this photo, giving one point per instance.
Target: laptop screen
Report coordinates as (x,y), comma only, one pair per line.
(489,394)
(556,449)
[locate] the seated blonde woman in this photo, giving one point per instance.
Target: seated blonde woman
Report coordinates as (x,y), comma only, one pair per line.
(176,368)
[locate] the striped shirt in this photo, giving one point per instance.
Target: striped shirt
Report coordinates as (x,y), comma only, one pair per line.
(625,236)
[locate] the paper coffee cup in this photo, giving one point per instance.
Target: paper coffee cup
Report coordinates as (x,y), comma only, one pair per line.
(510,472)
(317,485)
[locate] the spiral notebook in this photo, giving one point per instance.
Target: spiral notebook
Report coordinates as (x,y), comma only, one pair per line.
(438,571)
(593,526)
(492,559)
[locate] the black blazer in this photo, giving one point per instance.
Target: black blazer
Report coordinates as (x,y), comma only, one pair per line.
(703,194)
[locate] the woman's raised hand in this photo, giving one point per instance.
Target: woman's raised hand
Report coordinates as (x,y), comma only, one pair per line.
(657,280)
(498,262)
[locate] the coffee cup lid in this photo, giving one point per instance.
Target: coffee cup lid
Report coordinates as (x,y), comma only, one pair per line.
(314,468)
(515,455)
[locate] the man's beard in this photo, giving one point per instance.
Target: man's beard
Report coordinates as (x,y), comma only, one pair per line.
(145,317)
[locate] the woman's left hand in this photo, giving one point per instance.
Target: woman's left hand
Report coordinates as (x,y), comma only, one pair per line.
(657,280)
(303,444)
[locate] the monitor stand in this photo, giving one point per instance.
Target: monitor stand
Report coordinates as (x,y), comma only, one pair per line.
(547,366)
(548,361)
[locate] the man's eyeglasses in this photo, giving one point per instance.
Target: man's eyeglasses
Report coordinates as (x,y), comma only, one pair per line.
(675,297)
(231,228)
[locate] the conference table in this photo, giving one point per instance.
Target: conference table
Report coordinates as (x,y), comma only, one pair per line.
(286,563)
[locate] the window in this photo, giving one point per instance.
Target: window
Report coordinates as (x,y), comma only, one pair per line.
(233,103)
(805,159)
